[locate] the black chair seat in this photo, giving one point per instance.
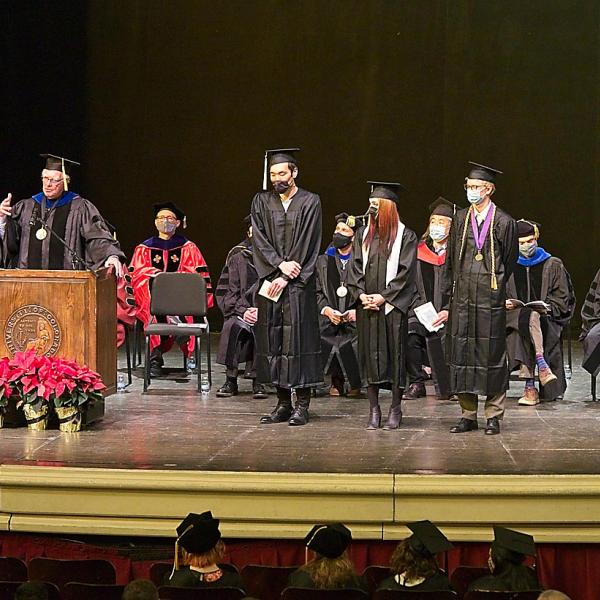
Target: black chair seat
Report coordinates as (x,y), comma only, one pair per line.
(190,593)
(292,593)
(92,591)
(169,329)
(12,569)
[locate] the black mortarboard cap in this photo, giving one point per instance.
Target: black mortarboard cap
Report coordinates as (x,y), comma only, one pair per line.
(198,533)
(173,208)
(482,172)
(58,163)
(525,228)
(427,539)
(276,156)
(515,541)
(350,220)
(443,207)
(386,189)
(328,540)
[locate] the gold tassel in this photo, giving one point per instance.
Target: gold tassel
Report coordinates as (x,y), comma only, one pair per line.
(494,282)
(64,174)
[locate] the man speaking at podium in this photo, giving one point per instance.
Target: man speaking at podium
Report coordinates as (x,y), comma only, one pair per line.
(30,230)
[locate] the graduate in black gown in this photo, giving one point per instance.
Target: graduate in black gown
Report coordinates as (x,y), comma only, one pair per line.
(331,568)
(534,336)
(286,234)
(425,347)
(25,227)
(235,296)
(202,549)
(508,573)
(590,327)
(382,281)
(482,253)
(413,564)
(339,338)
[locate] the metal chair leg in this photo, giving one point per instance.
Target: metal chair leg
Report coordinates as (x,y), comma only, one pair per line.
(208,361)
(147,365)
(593,388)
(128,354)
(198,358)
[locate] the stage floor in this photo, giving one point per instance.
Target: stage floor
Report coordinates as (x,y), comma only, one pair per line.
(174,428)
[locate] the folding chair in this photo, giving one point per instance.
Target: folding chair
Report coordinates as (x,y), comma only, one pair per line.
(179,294)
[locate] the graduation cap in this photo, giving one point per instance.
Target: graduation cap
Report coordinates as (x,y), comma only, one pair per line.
(350,220)
(173,208)
(526,228)
(514,541)
(276,156)
(328,540)
(482,172)
(59,163)
(427,539)
(443,207)
(197,534)
(386,189)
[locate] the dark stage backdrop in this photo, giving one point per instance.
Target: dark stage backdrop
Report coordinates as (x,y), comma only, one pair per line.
(183,96)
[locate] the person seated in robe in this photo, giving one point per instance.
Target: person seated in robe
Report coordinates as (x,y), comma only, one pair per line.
(202,549)
(424,347)
(413,564)
(331,568)
(506,557)
(534,338)
(30,228)
(166,252)
(235,294)
(590,327)
(339,338)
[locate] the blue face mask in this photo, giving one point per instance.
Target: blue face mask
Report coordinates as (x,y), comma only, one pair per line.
(474,196)
(437,232)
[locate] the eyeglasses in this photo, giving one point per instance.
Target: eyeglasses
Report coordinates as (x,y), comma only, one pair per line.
(170,219)
(474,186)
(51,181)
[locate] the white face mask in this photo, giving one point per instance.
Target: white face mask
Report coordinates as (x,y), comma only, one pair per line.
(437,232)
(474,196)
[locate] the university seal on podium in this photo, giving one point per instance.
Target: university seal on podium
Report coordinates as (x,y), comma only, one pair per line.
(32,327)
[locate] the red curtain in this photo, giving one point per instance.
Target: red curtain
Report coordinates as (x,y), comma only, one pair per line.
(571,568)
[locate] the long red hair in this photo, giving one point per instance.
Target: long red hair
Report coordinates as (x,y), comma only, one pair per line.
(386,225)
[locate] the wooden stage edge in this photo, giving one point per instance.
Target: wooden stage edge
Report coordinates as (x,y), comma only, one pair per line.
(68,500)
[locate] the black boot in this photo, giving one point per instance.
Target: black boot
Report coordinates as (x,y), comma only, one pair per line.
(464,425)
(156,363)
(300,414)
(374,418)
(283,410)
(394,418)
(258,390)
(493,426)
(228,389)
(415,390)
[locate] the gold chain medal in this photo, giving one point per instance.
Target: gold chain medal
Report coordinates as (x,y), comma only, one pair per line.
(342,291)
(479,257)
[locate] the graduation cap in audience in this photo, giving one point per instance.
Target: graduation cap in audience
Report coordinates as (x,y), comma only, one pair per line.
(482,172)
(352,221)
(526,228)
(275,157)
(196,534)
(386,189)
(427,539)
(328,540)
(59,163)
(514,541)
(443,207)
(173,208)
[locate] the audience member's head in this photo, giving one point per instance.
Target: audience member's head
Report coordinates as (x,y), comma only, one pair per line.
(509,548)
(415,556)
(140,589)
(553,595)
(331,568)
(32,590)
(200,540)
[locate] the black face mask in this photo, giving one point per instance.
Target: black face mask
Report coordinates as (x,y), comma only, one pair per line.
(340,240)
(281,187)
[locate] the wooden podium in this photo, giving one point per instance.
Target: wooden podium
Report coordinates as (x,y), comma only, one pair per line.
(71,314)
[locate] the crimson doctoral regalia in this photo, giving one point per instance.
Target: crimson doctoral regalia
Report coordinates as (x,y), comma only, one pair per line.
(156,255)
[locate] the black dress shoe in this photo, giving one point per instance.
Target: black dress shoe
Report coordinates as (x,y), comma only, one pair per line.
(258,391)
(281,414)
(156,369)
(493,426)
(464,425)
(299,416)
(415,390)
(228,389)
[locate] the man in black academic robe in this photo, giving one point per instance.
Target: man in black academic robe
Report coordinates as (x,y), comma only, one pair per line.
(534,337)
(28,242)
(339,338)
(482,253)
(235,295)
(286,230)
(590,327)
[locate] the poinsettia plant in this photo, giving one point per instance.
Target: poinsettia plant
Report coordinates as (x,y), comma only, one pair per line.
(36,380)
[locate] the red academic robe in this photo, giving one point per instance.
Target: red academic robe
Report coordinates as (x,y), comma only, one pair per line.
(156,255)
